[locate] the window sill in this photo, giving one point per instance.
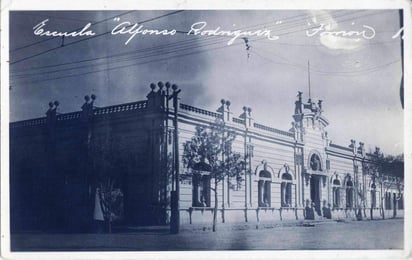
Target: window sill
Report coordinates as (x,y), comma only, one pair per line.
(267,208)
(287,207)
(201,208)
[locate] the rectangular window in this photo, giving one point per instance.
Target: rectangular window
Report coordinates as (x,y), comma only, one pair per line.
(388,202)
(327,164)
(286,194)
(349,197)
(373,199)
(201,190)
(336,197)
(264,193)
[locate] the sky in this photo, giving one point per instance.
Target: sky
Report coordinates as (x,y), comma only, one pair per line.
(357,77)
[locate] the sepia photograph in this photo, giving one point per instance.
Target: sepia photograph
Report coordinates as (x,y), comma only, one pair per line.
(203,129)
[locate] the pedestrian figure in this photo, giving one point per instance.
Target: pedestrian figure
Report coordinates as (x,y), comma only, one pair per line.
(98,213)
(326,210)
(309,212)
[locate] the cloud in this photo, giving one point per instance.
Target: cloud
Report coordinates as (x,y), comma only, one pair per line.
(328,27)
(339,43)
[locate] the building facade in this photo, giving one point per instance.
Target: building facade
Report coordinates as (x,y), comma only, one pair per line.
(59,161)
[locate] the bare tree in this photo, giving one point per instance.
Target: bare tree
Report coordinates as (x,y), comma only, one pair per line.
(108,164)
(213,147)
(110,202)
(387,172)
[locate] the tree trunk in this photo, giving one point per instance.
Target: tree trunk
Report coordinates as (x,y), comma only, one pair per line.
(215,209)
(359,213)
(394,207)
(371,213)
(109,226)
(109,215)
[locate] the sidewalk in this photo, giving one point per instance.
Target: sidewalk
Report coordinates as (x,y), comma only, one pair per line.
(253,225)
(313,234)
(207,227)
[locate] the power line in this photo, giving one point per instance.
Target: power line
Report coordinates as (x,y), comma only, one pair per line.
(345,73)
(368,70)
(135,64)
(87,60)
(291,18)
(351,51)
(138,63)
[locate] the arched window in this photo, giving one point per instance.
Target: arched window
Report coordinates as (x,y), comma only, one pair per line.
(201,185)
(286,190)
(265,179)
(315,163)
(336,193)
(349,194)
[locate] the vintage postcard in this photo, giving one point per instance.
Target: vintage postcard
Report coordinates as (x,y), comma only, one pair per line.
(237,130)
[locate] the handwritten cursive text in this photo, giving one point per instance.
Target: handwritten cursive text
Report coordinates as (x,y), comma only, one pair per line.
(198,29)
(40,31)
(134,29)
(367,33)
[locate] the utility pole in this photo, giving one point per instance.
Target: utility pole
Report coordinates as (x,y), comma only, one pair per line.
(403,75)
(309,78)
(175,216)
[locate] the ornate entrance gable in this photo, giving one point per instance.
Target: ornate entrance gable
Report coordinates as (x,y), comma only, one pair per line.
(315,163)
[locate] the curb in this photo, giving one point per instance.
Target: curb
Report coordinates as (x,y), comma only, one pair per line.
(252,226)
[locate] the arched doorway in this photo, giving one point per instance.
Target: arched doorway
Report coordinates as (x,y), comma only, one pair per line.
(315,193)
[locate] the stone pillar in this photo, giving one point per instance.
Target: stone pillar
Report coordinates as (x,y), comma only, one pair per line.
(248,177)
(157,100)
(51,120)
(224,109)
(298,176)
(361,148)
(353,145)
(247,116)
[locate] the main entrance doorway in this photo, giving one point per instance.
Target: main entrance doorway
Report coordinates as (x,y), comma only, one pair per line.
(315,192)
